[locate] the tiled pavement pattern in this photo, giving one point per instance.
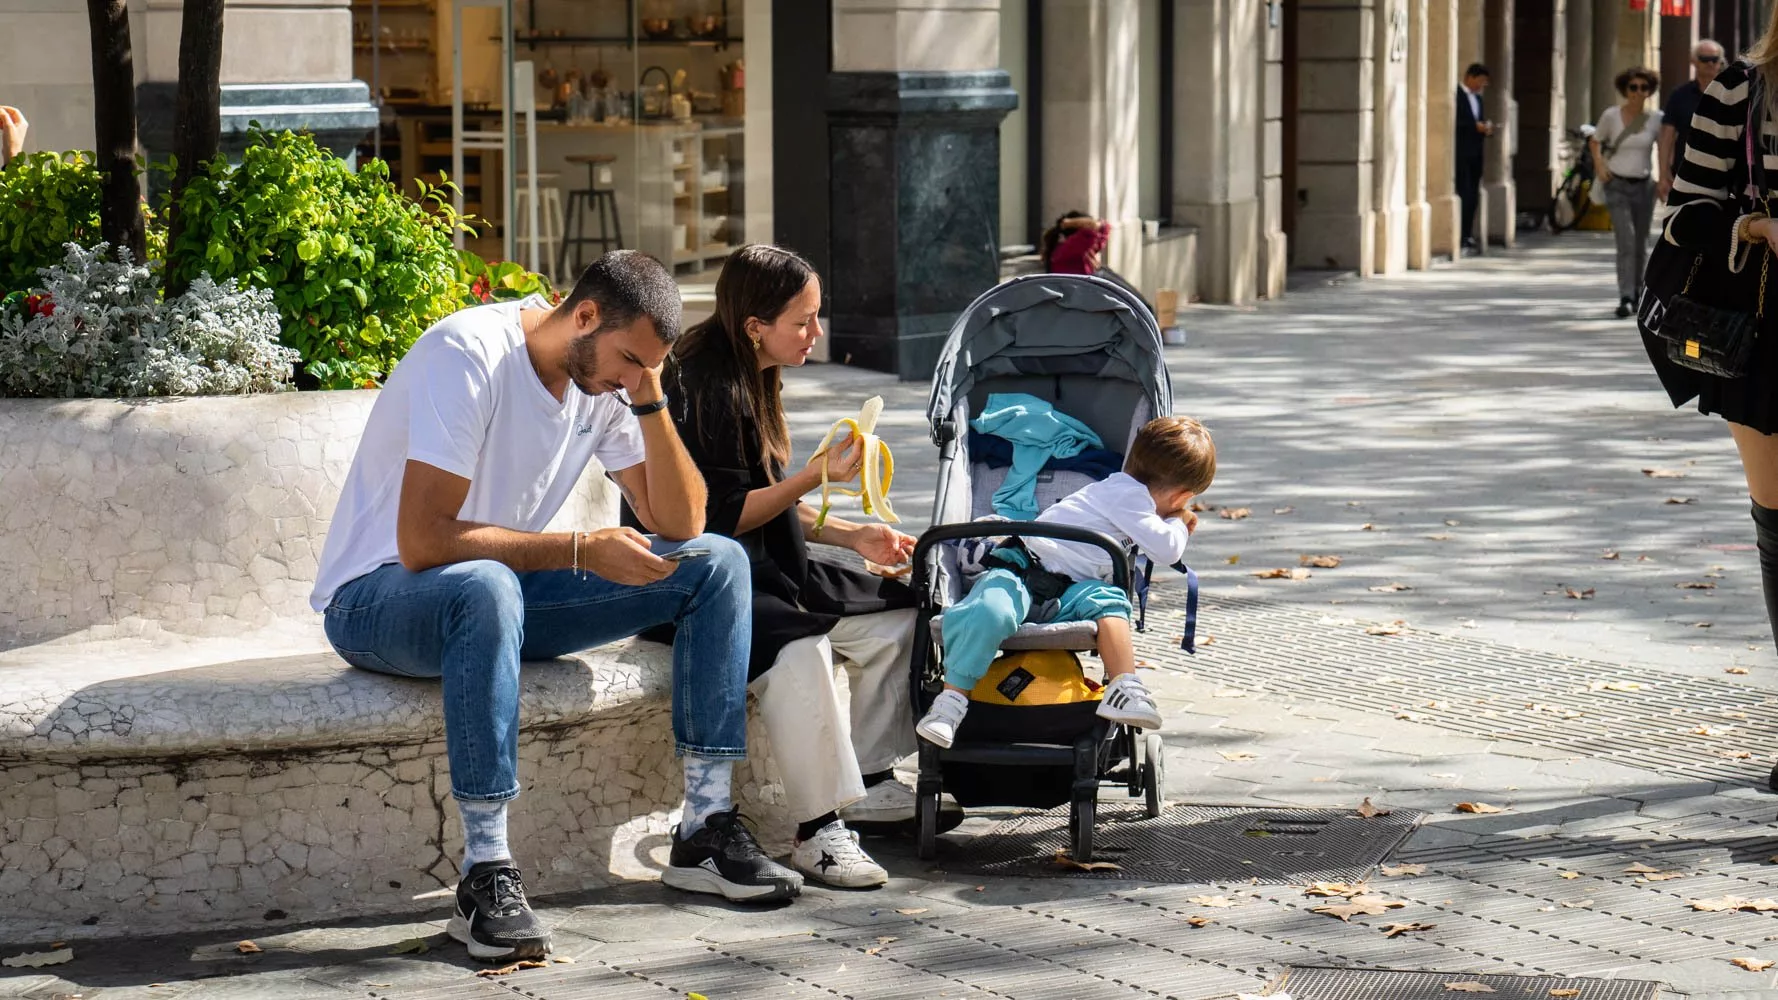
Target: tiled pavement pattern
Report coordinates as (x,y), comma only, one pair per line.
(1400,403)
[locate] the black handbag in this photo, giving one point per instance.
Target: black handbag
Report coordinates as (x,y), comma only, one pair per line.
(1697,335)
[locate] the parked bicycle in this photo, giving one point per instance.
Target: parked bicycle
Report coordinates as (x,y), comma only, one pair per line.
(1575,194)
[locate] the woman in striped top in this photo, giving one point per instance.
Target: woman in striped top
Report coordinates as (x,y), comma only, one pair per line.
(1710,211)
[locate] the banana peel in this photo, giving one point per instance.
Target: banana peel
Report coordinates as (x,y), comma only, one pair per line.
(876,475)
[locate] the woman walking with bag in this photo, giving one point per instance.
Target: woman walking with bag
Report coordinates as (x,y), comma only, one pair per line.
(1717,340)
(1623,160)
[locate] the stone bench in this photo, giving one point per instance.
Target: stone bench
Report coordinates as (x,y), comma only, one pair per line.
(179,747)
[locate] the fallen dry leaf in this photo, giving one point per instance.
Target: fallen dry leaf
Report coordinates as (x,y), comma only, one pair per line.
(1663,473)
(1640,869)
(39,959)
(507,970)
(1569,875)
(1198,508)
(1198,921)
(1579,595)
(1367,526)
(1234,560)
(1393,930)
(1615,686)
(1722,903)
(1696,585)
(1211,901)
(1237,755)
(1283,574)
(1753,964)
(1344,889)
(1564,991)
(1438,538)
(1409,716)
(1469,987)
(1713,730)
(913,911)
(563,960)
(1450,523)
(1397,871)
(1478,807)
(873,951)
(1389,588)
(1368,811)
(412,946)
(1283,510)
(1320,562)
(1735,754)
(1361,906)
(1580,904)
(1681,500)
(248,948)
(885,939)
(1393,628)
(1609,554)
(1234,513)
(1062,860)
(1734,670)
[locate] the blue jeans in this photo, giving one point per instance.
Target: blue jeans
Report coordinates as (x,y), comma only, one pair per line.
(471,623)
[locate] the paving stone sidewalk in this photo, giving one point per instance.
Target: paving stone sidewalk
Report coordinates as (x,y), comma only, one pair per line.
(1476,435)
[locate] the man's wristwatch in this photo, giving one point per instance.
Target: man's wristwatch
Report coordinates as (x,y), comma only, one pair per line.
(644,409)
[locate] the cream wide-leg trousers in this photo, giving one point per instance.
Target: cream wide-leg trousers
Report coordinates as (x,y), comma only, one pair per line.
(822,755)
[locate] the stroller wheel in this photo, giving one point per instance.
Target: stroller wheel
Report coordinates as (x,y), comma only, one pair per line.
(1154,775)
(1133,747)
(1080,821)
(926,815)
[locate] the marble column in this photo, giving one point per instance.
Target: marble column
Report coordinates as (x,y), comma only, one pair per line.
(1443,74)
(914,148)
(1336,102)
(1390,146)
(1472,48)
(285,65)
(1218,138)
(1497,176)
(1091,114)
(1540,51)
(1679,35)
(1578,98)
(1419,209)
(1274,248)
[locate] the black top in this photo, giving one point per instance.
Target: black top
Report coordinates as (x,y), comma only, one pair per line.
(1469,141)
(794,596)
(1677,112)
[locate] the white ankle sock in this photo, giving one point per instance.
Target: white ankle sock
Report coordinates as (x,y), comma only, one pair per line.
(707,792)
(484,832)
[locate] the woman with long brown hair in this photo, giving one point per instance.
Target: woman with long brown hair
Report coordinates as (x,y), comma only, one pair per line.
(725,388)
(1721,202)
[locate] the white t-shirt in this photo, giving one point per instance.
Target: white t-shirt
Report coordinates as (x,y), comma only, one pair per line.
(466,399)
(1634,156)
(1119,506)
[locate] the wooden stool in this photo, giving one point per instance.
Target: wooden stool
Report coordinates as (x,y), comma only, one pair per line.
(592,198)
(549,218)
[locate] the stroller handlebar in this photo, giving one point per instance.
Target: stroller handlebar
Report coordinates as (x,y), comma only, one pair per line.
(1121,573)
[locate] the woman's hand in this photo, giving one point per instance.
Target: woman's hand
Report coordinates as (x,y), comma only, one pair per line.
(882,544)
(845,459)
(1763,231)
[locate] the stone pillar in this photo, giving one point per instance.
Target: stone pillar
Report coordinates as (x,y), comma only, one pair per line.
(285,65)
(1218,137)
(1274,259)
(1679,35)
(1497,179)
(1443,76)
(914,138)
(1335,223)
(1472,48)
(1578,96)
(1419,211)
(1091,105)
(1390,146)
(1539,75)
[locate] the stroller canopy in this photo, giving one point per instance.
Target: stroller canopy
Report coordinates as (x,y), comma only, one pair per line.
(1050,325)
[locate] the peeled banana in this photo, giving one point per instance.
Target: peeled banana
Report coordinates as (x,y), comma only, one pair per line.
(873,478)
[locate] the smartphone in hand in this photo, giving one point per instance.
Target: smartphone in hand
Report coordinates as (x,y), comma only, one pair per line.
(680,555)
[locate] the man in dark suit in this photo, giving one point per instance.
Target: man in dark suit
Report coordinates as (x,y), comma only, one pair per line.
(1472,130)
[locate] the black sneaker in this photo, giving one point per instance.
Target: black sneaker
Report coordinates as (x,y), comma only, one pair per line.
(1625,307)
(723,859)
(493,918)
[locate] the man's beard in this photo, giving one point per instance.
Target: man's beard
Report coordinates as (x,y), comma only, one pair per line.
(583,364)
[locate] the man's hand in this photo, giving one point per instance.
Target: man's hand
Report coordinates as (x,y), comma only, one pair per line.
(1665,188)
(1485,128)
(883,545)
(13,127)
(622,555)
(648,388)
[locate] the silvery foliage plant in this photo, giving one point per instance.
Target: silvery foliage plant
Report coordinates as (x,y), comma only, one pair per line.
(110,335)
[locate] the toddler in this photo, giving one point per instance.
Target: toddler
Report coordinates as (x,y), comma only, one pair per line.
(1045,580)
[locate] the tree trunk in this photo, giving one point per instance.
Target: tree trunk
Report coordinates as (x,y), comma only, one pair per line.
(114,126)
(197,114)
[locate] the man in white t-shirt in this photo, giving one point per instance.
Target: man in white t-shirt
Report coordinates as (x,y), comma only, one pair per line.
(437,564)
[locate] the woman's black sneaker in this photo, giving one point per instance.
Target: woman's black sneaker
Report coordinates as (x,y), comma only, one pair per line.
(725,860)
(493,918)
(1625,307)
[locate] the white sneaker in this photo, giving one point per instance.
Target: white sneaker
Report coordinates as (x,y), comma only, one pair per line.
(1127,700)
(884,802)
(941,721)
(833,856)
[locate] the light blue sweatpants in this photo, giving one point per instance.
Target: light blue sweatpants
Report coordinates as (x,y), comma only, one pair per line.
(995,608)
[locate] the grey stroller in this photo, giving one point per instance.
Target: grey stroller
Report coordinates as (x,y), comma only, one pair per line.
(1092,349)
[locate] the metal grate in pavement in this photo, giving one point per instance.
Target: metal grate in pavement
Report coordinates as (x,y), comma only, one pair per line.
(1662,722)
(473,990)
(589,982)
(1196,844)
(1365,984)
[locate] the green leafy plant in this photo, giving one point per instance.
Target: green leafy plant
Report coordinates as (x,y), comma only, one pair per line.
(504,281)
(357,269)
(46,200)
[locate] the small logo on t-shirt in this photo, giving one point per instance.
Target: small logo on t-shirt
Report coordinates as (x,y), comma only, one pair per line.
(584,429)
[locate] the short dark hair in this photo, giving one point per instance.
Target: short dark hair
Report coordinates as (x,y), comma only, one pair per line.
(1477,69)
(1172,453)
(1637,73)
(627,285)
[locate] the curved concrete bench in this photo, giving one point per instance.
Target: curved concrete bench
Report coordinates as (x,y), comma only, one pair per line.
(178,744)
